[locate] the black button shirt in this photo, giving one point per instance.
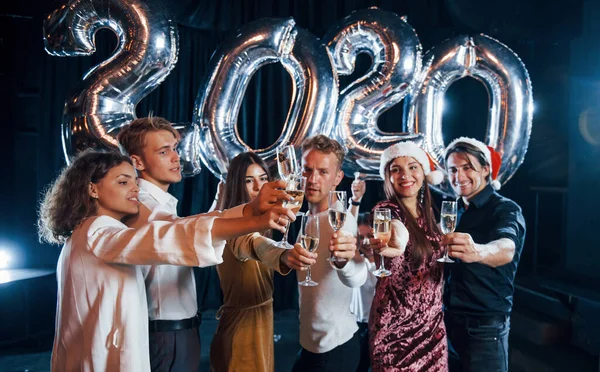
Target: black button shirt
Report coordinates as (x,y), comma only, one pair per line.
(474,288)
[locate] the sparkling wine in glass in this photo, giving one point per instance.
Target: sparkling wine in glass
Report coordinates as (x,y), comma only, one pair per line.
(337,202)
(309,239)
(296,185)
(382,226)
(447,224)
(286,162)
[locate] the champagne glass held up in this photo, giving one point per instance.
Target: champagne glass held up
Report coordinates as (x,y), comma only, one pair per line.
(382,226)
(295,188)
(309,239)
(337,202)
(286,162)
(448,224)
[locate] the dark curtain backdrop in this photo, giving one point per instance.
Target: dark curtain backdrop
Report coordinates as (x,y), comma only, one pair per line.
(35,86)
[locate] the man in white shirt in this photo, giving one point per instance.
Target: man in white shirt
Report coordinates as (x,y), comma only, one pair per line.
(171,290)
(328,330)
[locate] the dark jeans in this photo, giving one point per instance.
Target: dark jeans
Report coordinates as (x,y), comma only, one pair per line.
(343,358)
(175,351)
(365,359)
(477,344)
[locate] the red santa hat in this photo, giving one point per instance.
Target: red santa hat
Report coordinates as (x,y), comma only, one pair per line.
(490,154)
(407,148)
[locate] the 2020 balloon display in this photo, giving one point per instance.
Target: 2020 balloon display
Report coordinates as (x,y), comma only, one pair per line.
(106,98)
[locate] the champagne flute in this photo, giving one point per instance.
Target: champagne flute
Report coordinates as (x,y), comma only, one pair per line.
(309,239)
(337,202)
(286,162)
(382,226)
(447,224)
(296,185)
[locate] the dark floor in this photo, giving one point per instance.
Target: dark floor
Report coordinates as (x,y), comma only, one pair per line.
(35,355)
(525,356)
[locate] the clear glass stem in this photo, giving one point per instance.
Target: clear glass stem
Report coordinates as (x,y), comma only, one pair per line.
(285,234)
(308,277)
(382,267)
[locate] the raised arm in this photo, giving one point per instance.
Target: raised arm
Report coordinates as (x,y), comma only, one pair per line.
(397,244)
(259,248)
(192,241)
(352,273)
(504,239)
(185,242)
(359,187)
(275,218)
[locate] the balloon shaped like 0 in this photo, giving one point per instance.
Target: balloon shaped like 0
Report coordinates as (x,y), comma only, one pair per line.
(106,98)
(509,87)
(231,68)
(395,52)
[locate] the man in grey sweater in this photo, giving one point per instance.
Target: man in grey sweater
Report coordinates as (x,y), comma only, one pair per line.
(328,330)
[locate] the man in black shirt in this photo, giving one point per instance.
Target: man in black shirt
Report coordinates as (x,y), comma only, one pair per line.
(486,246)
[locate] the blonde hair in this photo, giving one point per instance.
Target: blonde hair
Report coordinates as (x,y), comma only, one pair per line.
(325,145)
(132,138)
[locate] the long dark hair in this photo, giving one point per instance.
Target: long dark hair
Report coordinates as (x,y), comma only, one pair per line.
(235,192)
(67,202)
(421,246)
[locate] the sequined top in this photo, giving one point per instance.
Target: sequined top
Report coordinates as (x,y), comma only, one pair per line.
(406,326)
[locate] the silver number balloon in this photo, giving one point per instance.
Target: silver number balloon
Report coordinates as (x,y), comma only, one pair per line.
(511,99)
(395,51)
(106,98)
(189,148)
(231,68)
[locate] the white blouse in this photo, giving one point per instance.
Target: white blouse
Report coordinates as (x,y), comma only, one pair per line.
(362,297)
(101,322)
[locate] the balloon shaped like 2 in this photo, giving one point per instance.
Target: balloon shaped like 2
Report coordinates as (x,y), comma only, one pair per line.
(395,52)
(231,68)
(106,98)
(508,84)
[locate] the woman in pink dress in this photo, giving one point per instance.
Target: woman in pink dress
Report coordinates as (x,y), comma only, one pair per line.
(406,325)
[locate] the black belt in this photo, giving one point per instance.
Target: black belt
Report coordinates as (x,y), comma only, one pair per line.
(478,321)
(174,325)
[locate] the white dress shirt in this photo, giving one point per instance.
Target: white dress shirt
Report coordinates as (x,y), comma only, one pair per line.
(101,322)
(171,290)
(325,318)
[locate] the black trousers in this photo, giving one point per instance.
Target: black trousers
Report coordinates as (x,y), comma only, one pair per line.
(343,358)
(175,351)
(477,344)
(365,357)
